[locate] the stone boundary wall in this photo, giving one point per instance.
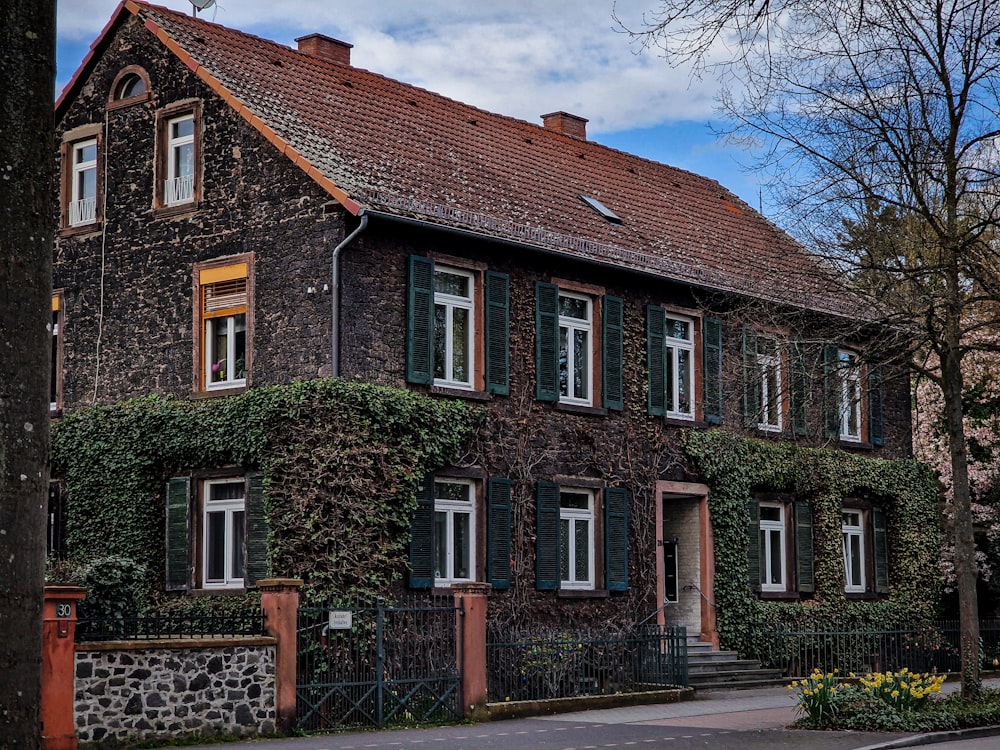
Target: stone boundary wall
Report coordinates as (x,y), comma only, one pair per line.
(127,691)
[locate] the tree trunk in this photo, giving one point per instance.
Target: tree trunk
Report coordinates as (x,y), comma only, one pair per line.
(27,54)
(965,551)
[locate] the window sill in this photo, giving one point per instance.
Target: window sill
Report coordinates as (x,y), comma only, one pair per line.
(858,596)
(121,103)
(677,422)
(219,392)
(592,411)
(169,212)
(779,595)
(857,445)
(80,230)
(440,390)
(582,593)
(221,590)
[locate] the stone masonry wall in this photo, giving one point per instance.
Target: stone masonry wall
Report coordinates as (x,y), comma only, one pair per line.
(135,695)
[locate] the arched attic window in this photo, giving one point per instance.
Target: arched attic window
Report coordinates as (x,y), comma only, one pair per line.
(130,87)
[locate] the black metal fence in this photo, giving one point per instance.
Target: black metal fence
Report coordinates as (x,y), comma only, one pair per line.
(931,647)
(538,665)
(392,664)
(248,623)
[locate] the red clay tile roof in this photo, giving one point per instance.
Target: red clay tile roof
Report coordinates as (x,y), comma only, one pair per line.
(379,144)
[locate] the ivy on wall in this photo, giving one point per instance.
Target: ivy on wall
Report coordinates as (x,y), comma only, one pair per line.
(341,461)
(735,468)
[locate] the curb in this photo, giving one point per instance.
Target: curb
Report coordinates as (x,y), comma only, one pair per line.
(932,738)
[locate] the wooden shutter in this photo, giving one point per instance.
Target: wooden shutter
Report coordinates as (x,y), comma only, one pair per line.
(880,542)
(656,361)
(420,321)
(752,393)
(497,333)
(498,533)
(256,543)
(799,389)
(876,417)
(178,533)
(546,341)
(712,366)
(422,537)
(616,538)
(547,536)
(753,545)
(804,554)
(831,392)
(613,352)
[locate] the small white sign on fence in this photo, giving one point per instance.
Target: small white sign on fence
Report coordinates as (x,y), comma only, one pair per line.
(340,619)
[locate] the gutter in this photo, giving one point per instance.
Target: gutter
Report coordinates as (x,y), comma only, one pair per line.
(335,293)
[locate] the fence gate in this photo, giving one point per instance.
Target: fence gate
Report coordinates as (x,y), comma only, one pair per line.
(378,666)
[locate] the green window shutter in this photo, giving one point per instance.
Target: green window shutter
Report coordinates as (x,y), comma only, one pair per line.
(178,505)
(712,366)
(546,341)
(804,556)
(497,333)
(753,546)
(752,394)
(547,536)
(420,322)
(799,389)
(831,392)
(498,533)
(613,354)
(256,547)
(876,402)
(422,537)
(616,538)
(656,360)
(881,551)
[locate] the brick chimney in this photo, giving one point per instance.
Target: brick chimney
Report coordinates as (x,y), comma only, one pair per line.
(567,124)
(325,48)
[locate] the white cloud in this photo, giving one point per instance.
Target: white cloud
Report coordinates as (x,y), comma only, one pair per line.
(521,58)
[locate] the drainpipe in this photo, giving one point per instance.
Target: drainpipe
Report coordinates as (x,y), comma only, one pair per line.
(335,294)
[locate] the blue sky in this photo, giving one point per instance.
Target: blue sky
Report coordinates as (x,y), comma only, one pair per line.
(520,58)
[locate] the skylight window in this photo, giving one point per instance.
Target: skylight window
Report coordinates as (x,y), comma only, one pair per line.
(603,210)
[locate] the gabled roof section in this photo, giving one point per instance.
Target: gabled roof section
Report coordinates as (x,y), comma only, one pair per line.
(377,144)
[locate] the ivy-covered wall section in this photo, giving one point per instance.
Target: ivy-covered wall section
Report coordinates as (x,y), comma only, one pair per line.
(735,468)
(340,461)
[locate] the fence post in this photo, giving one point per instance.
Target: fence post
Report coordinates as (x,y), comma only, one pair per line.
(470,605)
(58,666)
(280,601)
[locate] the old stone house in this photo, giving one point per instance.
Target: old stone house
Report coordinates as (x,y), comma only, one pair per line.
(234,213)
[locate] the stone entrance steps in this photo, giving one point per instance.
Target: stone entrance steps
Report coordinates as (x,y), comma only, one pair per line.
(725,670)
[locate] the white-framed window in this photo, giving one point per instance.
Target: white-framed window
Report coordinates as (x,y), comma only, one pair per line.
(55,371)
(849,371)
(222,294)
(454,531)
(576,335)
(576,539)
(769,371)
(773,574)
(178,185)
(454,328)
(853,530)
(83,185)
(679,343)
(224,532)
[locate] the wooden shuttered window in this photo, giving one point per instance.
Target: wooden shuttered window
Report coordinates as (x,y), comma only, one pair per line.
(613,352)
(178,534)
(616,501)
(753,545)
(420,321)
(876,403)
(498,512)
(546,341)
(752,394)
(880,544)
(256,543)
(497,333)
(805,568)
(547,536)
(798,388)
(656,361)
(831,392)
(712,369)
(422,537)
